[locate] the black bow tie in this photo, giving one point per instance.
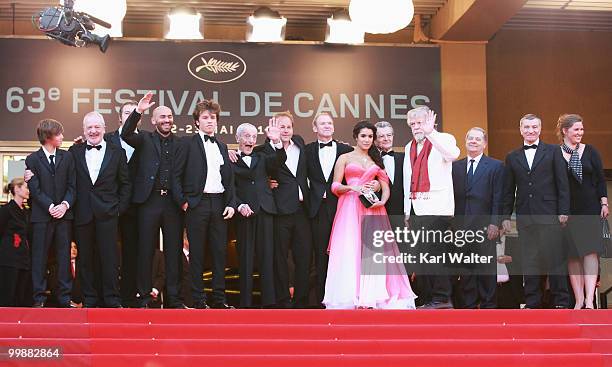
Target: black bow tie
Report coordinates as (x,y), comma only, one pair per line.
(243,154)
(534,146)
(328,144)
(90,147)
(391,153)
(211,138)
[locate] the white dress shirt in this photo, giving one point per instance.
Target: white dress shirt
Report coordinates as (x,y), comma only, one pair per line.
(129,150)
(214,161)
(94,158)
(530,153)
(327,157)
(476,160)
(47,154)
(420,146)
(247,160)
(293,158)
(389,162)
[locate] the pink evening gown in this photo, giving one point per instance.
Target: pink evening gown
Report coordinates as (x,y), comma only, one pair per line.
(353,279)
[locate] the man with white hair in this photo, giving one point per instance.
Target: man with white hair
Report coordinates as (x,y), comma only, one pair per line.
(256,209)
(428,198)
(103,192)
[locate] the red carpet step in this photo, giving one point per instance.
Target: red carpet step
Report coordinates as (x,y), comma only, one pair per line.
(295,338)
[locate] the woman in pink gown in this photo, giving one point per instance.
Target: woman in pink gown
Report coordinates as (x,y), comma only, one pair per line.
(354,280)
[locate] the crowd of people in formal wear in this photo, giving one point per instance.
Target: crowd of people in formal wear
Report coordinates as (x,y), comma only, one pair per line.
(299,211)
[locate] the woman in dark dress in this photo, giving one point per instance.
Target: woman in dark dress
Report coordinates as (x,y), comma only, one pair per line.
(15,280)
(588,205)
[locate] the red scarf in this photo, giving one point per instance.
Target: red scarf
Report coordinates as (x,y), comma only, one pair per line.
(420,173)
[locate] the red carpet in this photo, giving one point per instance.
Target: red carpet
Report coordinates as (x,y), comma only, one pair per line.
(311,338)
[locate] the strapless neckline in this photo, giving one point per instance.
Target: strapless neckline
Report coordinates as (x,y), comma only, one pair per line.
(360,166)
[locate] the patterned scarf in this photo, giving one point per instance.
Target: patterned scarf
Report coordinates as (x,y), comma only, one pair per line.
(419,185)
(574,164)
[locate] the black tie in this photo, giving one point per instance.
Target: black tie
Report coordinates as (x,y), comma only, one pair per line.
(323,145)
(391,153)
(534,146)
(210,138)
(470,175)
(243,154)
(90,147)
(52,163)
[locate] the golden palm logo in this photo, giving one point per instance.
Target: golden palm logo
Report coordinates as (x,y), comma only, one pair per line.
(216,66)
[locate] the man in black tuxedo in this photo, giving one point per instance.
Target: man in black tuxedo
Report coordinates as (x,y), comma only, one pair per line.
(128,221)
(102,193)
(536,180)
(478,189)
(256,210)
(321,157)
(291,225)
(204,188)
(394,163)
(52,189)
(153,186)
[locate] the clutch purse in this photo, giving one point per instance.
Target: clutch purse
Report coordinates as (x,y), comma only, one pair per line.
(605,236)
(368,198)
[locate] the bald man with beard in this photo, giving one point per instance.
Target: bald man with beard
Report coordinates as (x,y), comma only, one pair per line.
(153,187)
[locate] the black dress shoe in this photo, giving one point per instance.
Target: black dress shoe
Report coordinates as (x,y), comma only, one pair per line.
(436,306)
(114,306)
(178,306)
(38,305)
(559,307)
(221,306)
(201,305)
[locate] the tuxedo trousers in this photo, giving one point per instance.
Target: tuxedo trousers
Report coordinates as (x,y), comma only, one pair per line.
(98,237)
(207,228)
(292,231)
(255,241)
(56,232)
(159,211)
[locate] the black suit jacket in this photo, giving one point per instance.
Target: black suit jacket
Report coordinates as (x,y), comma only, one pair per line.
(479,203)
(542,192)
(286,194)
(148,147)
(47,188)
(395,204)
(14,236)
(191,170)
(318,184)
(110,195)
(251,183)
(113,138)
